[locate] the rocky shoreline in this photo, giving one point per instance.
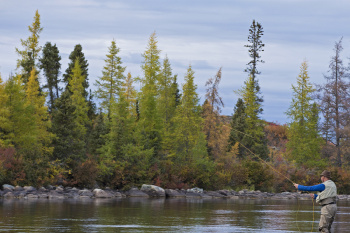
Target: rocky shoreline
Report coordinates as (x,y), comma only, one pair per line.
(146,191)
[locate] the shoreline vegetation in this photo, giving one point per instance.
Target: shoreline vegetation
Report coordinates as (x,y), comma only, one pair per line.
(146,191)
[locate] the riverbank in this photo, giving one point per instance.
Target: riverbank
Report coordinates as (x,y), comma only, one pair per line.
(146,191)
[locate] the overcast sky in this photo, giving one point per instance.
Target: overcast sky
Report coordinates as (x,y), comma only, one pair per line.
(204,33)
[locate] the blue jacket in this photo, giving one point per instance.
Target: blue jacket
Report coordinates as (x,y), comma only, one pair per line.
(318,187)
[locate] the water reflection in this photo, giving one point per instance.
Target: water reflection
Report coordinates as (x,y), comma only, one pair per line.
(164,215)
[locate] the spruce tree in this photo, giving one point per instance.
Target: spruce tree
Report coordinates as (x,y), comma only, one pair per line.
(238,132)
(255,48)
(66,143)
(50,64)
(77,54)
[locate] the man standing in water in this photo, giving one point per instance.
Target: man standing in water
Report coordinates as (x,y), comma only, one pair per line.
(327,194)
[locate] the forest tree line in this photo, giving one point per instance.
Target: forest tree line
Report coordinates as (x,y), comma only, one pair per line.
(161,134)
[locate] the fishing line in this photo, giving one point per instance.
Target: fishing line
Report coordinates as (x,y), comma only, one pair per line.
(296,217)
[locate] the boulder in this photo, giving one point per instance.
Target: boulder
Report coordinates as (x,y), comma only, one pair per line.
(32,196)
(9,195)
(85,193)
(18,188)
(174,193)
(135,192)
(73,195)
(99,193)
(59,188)
(29,188)
(153,190)
(214,194)
(42,189)
(43,195)
(195,190)
(8,187)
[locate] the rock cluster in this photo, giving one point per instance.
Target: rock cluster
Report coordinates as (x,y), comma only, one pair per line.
(146,191)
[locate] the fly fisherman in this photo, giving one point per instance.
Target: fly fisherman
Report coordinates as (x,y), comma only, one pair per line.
(327,194)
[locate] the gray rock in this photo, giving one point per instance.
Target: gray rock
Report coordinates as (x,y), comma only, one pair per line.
(8,187)
(9,195)
(153,190)
(59,188)
(50,187)
(18,188)
(99,193)
(71,194)
(21,194)
(216,194)
(43,195)
(135,192)
(32,196)
(174,193)
(29,188)
(85,193)
(42,189)
(195,190)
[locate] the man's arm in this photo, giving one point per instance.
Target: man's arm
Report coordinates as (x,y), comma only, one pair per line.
(318,187)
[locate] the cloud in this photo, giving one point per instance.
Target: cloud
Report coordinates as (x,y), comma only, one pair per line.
(206,34)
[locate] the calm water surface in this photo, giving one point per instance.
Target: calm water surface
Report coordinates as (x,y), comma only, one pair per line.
(165,215)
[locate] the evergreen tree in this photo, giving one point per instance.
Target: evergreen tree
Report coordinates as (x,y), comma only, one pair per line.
(109,84)
(70,121)
(176,91)
(255,47)
(50,64)
(97,135)
(211,114)
(256,141)
(150,125)
(304,144)
(67,142)
(91,105)
(238,132)
(77,54)
(30,53)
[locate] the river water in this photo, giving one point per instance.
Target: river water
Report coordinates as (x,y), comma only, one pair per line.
(165,215)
